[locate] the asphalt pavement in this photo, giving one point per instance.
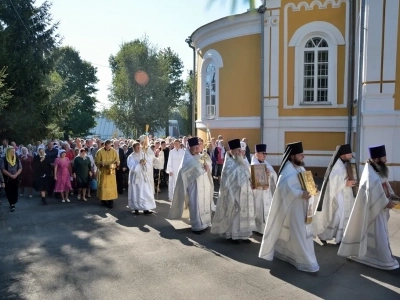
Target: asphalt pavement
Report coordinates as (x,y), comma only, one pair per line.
(83,250)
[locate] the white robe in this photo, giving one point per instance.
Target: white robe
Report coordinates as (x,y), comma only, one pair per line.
(193,191)
(286,234)
(366,238)
(234,215)
(151,159)
(338,203)
(263,198)
(174,161)
(140,190)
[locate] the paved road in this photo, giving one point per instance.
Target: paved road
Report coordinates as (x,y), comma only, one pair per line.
(83,250)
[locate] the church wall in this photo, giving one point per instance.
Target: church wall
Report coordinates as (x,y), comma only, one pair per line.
(239,78)
(252,135)
(297,14)
(237,41)
(397,89)
(381,117)
(316,141)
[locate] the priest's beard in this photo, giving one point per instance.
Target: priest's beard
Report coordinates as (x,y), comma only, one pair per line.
(298,163)
(382,169)
(239,159)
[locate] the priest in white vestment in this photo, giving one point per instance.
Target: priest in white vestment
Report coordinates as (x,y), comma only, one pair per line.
(366,238)
(150,158)
(336,199)
(140,190)
(234,215)
(193,189)
(174,161)
(263,198)
(286,235)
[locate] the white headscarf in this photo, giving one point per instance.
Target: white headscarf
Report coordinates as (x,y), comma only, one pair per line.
(60,152)
(44,152)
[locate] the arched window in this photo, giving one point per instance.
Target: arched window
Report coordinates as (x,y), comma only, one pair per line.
(316,65)
(316,70)
(210,90)
(210,66)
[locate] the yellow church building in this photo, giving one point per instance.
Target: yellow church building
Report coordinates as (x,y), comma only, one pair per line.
(284,77)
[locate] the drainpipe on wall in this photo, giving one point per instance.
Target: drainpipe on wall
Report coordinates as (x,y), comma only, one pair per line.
(262,10)
(351,69)
(360,81)
(193,98)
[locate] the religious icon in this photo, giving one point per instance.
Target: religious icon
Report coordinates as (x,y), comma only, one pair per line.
(352,174)
(259,177)
(307,184)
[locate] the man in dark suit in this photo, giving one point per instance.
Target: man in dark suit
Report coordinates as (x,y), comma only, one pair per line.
(51,155)
(165,149)
(119,172)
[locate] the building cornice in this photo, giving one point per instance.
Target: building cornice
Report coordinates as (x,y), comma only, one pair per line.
(227,28)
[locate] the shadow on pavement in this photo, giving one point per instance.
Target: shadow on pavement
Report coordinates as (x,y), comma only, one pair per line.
(51,242)
(56,241)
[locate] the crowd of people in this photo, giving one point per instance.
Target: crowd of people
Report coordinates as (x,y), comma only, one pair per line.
(286,211)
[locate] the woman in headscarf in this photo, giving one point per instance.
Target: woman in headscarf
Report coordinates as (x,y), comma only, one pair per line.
(219,154)
(11,168)
(62,175)
(82,173)
(27,172)
(42,173)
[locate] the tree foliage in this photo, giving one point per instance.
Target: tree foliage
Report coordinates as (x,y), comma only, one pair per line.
(5,92)
(136,103)
(27,36)
(74,91)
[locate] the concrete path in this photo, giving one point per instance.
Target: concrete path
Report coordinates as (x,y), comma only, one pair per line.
(84,250)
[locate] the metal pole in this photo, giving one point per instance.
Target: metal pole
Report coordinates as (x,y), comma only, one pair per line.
(193,99)
(360,82)
(262,10)
(351,71)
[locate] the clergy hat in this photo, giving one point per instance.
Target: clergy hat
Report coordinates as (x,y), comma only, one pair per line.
(294,148)
(344,149)
(291,149)
(377,151)
(243,146)
(194,141)
(261,148)
(234,144)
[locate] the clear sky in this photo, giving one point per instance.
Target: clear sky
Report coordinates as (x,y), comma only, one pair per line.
(96,28)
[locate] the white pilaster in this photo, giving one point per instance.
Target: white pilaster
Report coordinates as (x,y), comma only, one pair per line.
(380,122)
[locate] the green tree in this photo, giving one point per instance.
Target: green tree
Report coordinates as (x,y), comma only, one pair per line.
(5,92)
(76,96)
(60,103)
(137,101)
(172,66)
(27,36)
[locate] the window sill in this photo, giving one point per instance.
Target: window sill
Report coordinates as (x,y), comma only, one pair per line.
(315,103)
(209,117)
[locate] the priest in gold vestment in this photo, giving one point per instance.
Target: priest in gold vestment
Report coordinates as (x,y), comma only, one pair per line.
(106,161)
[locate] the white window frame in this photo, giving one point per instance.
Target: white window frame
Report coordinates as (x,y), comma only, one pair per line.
(316,50)
(334,38)
(211,56)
